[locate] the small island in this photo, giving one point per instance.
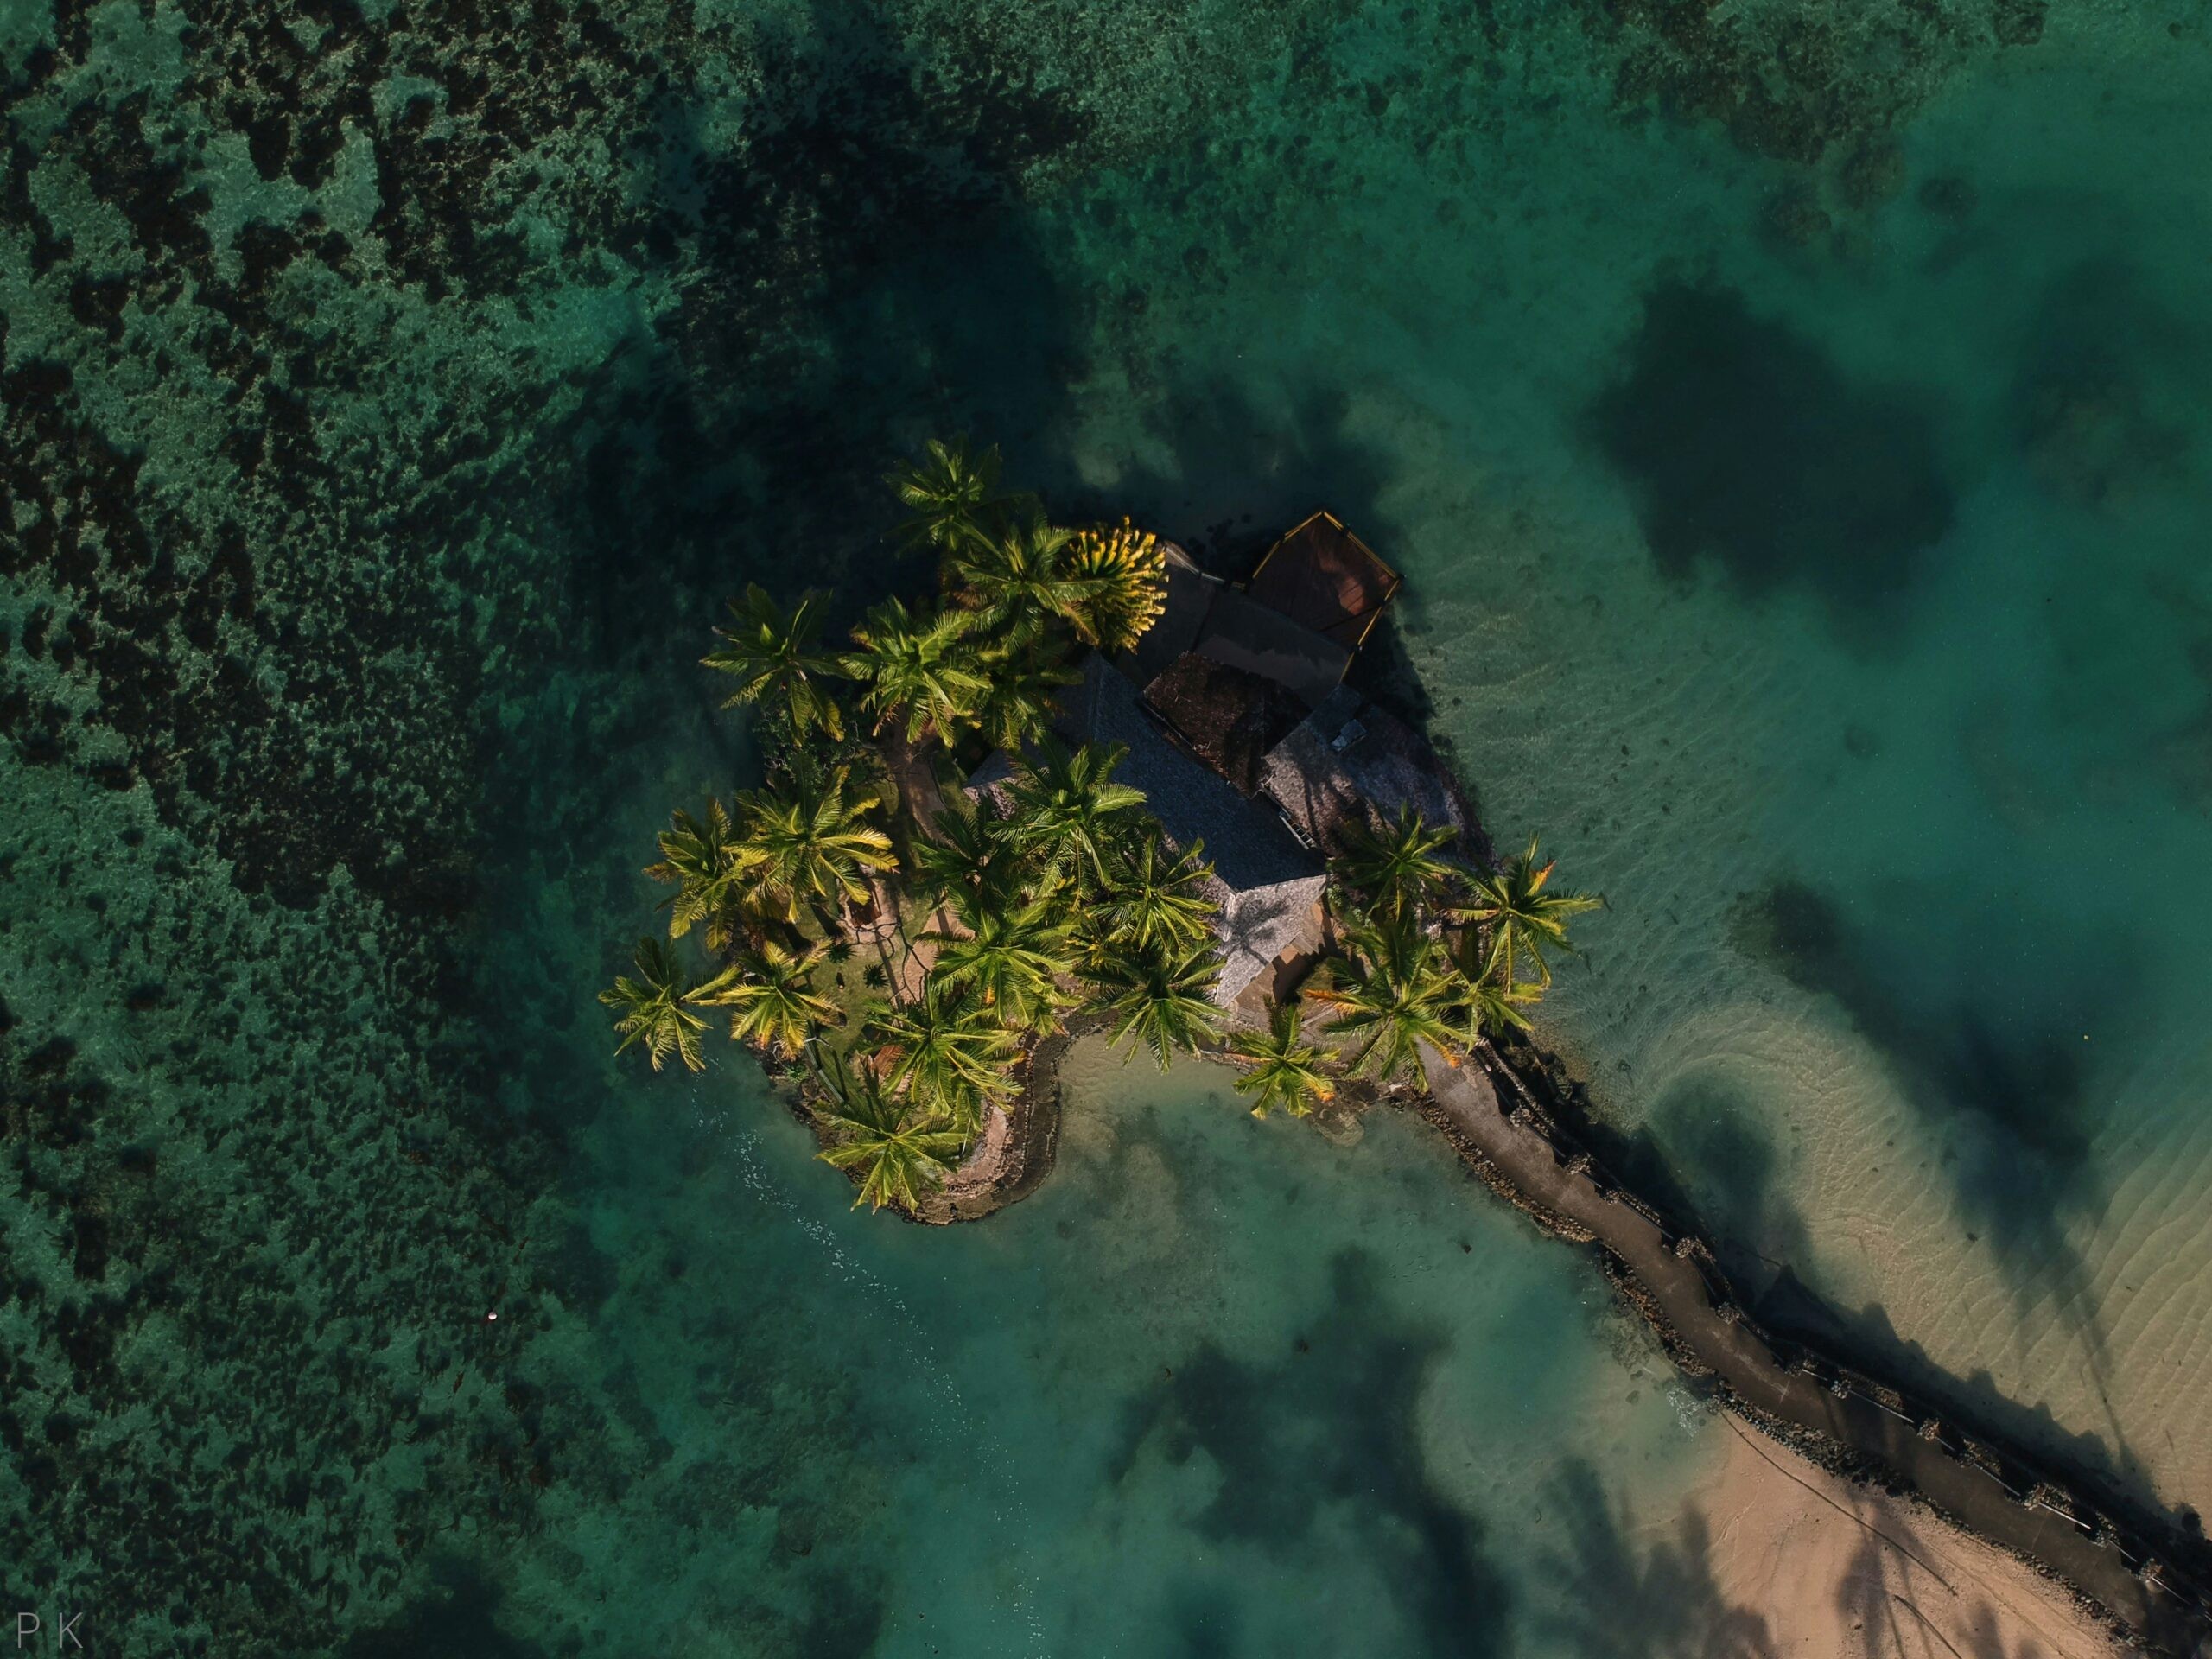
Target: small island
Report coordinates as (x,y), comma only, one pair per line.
(1086,786)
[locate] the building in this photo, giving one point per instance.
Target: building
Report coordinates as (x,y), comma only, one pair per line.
(1247,743)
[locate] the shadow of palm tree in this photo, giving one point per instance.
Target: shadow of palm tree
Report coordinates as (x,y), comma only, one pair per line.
(1613,1603)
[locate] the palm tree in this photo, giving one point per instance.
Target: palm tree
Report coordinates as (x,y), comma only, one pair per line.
(1068,811)
(1283,1069)
(1493,1003)
(1018,577)
(772,656)
(950,494)
(1401,993)
(899,1145)
(1397,866)
(1021,685)
(772,1000)
(1161,1000)
(653,1005)
(917,672)
(1160,900)
(968,853)
(1521,920)
(1125,572)
(1009,958)
(709,868)
(951,1050)
(811,845)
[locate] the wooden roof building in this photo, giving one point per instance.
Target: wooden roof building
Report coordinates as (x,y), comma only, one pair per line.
(1323,577)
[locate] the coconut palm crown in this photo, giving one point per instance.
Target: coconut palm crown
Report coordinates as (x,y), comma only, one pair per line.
(952,1051)
(709,865)
(654,1014)
(917,672)
(1124,571)
(950,494)
(1281,1067)
(1009,958)
(812,845)
(1397,866)
(1160,900)
(900,1149)
(1068,811)
(1161,1001)
(771,995)
(1401,992)
(771,655)
(1521,920)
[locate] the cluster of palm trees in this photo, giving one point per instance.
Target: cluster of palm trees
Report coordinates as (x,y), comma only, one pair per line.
(1430,953)
(1054,892)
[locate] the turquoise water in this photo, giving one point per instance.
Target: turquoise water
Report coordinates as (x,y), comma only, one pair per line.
(1787,420)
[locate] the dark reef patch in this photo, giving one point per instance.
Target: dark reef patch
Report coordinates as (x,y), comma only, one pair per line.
(1792,82)
(2106,387)
(1339,1430)
(311,713)
(1745,444)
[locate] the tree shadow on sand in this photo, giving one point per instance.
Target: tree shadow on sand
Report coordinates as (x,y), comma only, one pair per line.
(1885,1610)
(1613,1603)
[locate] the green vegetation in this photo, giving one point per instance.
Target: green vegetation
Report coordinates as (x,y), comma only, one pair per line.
(988,922)
(1281,1067)
(1521,920)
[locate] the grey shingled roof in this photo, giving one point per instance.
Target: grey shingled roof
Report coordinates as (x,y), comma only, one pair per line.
(1385,764)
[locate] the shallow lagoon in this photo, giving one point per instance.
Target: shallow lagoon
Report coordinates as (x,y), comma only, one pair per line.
(1811,549)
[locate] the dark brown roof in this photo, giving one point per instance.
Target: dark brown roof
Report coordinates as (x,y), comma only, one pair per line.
(1229,716)
(1241,633)
(1326,578)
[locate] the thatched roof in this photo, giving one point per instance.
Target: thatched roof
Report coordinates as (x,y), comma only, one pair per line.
(1323,577)
(1351,759)
(1228,716)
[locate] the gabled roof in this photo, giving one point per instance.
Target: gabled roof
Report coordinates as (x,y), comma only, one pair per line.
(1323,577)
(1260,639)
(1259,925)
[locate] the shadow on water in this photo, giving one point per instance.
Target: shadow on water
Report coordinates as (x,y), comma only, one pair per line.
(1331,1425)
(1745,443)
(855,275)
(2010,1105)
(458,1619)
(1613,1603)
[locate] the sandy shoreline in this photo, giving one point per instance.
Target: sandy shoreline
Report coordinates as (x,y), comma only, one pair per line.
(1816,1566)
